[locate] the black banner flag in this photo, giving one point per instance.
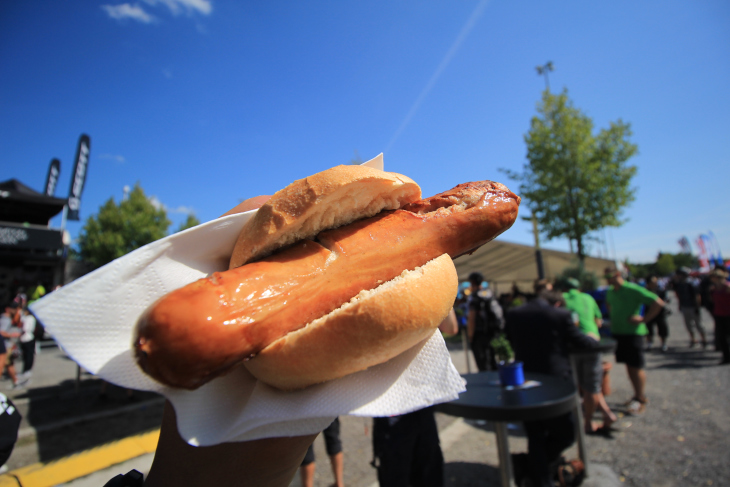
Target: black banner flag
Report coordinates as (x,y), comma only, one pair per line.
(79,177)
(53,171)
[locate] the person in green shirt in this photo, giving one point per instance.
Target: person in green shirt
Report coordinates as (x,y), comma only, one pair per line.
(624,301)
(36,293)
(584,307)
(589,366)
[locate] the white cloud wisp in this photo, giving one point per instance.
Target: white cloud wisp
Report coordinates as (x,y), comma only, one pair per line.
(468,26)
(127,11)
(176,7)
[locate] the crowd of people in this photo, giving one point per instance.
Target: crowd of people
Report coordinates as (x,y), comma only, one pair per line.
(543,327)
(547,325)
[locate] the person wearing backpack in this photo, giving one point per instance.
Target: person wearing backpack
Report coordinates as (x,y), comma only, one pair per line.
(484,321)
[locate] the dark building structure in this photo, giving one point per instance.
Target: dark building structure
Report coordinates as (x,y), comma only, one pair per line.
(31,252)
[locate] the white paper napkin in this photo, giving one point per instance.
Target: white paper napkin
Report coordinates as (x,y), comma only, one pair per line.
(93,319)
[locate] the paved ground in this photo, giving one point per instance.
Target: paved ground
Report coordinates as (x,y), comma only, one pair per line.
(682,439)
(62,416)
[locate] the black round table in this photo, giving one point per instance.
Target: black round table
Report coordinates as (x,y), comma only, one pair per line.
(486,399)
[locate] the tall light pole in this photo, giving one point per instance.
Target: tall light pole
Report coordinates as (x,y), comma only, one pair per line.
(544,70)
(538,251)
(541,70)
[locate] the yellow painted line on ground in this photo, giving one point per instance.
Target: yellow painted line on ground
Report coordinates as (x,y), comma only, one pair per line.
(81,464)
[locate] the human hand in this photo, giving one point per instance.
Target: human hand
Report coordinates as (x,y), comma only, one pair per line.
(636,320)
(267,462)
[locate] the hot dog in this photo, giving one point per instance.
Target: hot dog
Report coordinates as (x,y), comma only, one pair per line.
(319,309)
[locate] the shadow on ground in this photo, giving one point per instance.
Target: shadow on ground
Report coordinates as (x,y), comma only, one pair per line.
(69,417)
(463,474)
(692,358)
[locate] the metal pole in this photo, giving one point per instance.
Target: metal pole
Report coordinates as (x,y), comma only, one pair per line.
(613,247)
(540,266)
(505,462)
(538,252)
(465,345)
(545,69)
(64,216)
(580,436)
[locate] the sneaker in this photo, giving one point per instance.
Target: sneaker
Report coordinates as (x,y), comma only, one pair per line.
(3,469)
(664,349)
(636,407)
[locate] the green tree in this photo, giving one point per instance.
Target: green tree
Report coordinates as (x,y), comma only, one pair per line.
(575,182)
(640,271)
(665,265)
(588,280)
(684,259)
(190,222)
(120,228)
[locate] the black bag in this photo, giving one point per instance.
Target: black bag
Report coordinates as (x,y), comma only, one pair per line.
(39,332)
(486,321)
(9,426)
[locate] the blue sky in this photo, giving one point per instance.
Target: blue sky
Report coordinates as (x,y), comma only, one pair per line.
(206,102)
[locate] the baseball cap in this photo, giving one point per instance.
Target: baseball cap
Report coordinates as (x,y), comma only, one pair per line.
(572,283)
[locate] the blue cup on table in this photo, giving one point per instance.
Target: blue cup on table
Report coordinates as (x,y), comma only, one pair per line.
(511,374)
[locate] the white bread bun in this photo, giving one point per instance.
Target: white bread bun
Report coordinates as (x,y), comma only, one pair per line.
(326,200)
(375,326)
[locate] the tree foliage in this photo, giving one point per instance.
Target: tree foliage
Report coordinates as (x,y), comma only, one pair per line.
(190,222)
(120,228)
(588,279)
(665,265)
(575,182)
(685,259)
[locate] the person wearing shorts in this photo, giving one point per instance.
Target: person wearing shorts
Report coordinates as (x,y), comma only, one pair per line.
(690,302)
(628,327)
(589,366)
(660,321)
(333,445)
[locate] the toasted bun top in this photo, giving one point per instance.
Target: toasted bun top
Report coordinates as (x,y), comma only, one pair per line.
(328,199)
(373,327)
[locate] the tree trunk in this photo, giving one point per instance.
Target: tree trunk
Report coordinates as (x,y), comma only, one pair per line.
(581,255)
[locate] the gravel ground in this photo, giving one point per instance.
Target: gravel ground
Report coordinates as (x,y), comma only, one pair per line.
(681,439)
